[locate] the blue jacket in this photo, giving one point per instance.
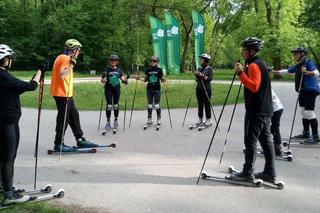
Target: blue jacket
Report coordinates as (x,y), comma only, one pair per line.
(309,83)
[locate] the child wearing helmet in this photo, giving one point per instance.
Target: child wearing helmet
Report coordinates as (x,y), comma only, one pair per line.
(258,105)
(153,76)
(111,77)
(10,112)
(204,76)
(62,92)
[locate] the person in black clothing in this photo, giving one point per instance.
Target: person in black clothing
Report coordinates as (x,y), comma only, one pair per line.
(153,75)
(258,104)
(204,76)
(112,77)
(10,113)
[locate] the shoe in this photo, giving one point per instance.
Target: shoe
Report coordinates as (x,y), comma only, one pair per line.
(200,122)
(64,148)
(149,121)
(313,140)
(13,197)
(83,143)
(208,122)
(241,176)
(278,150)
(158,121)
(107,126)
(115,124)
(265,177)
(303,136)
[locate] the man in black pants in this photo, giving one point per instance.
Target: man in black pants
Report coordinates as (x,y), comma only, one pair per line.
(153,75)
(258,104)
(10,113)
(62,92)
(204,77)
(112,89)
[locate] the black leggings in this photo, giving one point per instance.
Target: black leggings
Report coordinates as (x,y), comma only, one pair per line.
(153,96)
(112,96)
(203,101)
(9,142)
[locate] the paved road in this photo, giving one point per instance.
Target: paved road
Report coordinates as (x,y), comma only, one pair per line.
(153,171)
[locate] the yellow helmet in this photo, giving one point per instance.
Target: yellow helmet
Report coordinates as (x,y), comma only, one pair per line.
(72,44)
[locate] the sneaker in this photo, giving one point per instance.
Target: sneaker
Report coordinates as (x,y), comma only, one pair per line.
(313,140)
(240,176)
(107,126)
(303,136)
(149,121)
(278,150)
(115,124)
(158,121)
(83,143)
(208,122)
(265,177)
(15,198)
(64,148)
(200,122)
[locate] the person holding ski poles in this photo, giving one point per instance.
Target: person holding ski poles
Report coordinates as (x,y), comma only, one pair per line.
(308,92)
(62,92)
(153,77)
(258,104)
(275,123)
(111,77)
(204,76)
(10,112)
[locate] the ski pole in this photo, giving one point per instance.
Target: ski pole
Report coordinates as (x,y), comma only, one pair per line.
(185,114)
(206,92)
(43,67)
(125,105)
(215,130)
(295,110)
(101,105)
(165,92)
(229,127)
(134,97)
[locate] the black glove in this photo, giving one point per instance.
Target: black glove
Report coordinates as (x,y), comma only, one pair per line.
(43,67)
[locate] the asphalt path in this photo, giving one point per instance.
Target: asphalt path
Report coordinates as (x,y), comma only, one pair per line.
(156,171)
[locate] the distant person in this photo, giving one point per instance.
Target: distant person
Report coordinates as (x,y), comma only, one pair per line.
(10,112)
(275,123)
(62,92)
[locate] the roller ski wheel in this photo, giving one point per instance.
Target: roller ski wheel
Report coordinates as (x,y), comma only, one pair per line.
(204,175)
(145,127)
(114,131)
(157,127)
(60,193)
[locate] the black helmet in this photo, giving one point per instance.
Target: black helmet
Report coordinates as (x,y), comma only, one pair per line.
(252,43)
(299,50)
(154,57)
(113,57)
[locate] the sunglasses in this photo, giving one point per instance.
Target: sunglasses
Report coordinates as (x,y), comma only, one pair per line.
(154,61)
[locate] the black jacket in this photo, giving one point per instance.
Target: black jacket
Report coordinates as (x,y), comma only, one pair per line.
(10,89)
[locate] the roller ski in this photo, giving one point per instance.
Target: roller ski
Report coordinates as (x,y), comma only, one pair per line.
(64,149)
(17,198)
(197,125)
(107,128)
(205,125)
(252,182)
(149,124)
(46,189)
(267,180)
(284,155)
(115,127)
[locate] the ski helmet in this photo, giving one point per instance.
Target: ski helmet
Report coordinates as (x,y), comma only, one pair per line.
(72,44)
(252,43)
(299,50)
(114,57)
(5,51)
(206,57)
(155,58)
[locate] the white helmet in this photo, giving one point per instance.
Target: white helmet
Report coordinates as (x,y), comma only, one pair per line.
(205,56)
(5,51)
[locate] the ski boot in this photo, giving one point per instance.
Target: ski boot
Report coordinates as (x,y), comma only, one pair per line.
(115,126)
(198,124)
(242,177)
(206,124)
(63,148)
(158,123)
(269,179)
(313,140)
(149,123)
(83,143)
(12,197)
(106,128)
(305,135)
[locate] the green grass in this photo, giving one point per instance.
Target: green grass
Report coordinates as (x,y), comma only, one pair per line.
(88,96)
